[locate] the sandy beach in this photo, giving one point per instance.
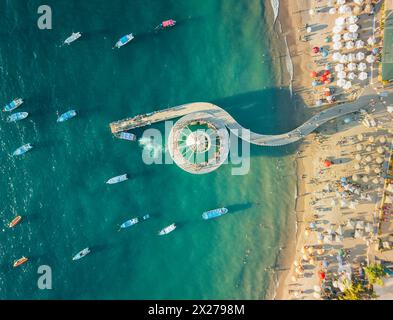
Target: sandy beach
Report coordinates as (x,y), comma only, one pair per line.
(317,202)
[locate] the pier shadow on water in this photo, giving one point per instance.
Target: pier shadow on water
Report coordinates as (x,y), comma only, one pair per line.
(268,111)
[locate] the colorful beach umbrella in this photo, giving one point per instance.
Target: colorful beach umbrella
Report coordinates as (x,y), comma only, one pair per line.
(327,164)
(313,74)
(315,50)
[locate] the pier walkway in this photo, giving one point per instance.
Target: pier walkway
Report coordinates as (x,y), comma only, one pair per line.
(255,138)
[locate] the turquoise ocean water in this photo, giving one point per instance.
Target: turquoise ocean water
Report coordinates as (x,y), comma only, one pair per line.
(219,53)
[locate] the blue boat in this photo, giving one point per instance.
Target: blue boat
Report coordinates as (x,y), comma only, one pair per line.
(66,116)
(129,223)
(22,150)
(124,40)
(13,105)
(17,116)
(214,213)
(126,136)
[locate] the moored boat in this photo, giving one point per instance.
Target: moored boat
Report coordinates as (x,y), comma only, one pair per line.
(126,136)
(129,223)
(67,116)
(20,261)
(166,24)
(214,213)
(124,40)
(146,217)
(22,150)
(17,116)
(73,37)
(15,221)
(117,179)
(167,229)
(13,105)
(81,254)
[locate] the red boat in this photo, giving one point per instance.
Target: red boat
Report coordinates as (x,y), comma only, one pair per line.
(166,24)
(20,261)
(14,222)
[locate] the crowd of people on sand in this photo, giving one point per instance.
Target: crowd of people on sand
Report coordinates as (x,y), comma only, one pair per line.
(337,243)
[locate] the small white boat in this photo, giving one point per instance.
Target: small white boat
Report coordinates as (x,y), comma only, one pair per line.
(81,254)
(17,116)
(117,179)
(126,136)
(167,229)
(72,38)
(124,40)
(13,105)
(23,149)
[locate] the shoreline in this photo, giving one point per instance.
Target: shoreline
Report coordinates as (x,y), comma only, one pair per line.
(286,23)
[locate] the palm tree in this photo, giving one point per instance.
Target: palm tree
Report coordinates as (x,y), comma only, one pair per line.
(375,274)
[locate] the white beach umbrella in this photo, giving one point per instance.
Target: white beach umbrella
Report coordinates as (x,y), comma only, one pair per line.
(337,29)
(337,45)
(355,177)
(332,11)
(340,21)
(309,29)
(370,58)
(379,160)
(359,147)
(342,75)
(382,139)
(329,98)
(347,36)
(341,2)
(389,109)
(371,41)
(336,38)
(359,44)
(365,179)
(311,12)
(353,35)
(344,9)
(350,45)
(371,139)
(351,76)
(351,57)
(368,159)
(344,58)
(369,149)
(353,28)
(367,169)
(377,170)
(352,19)
(362,66)
(348,85)
(360,56)
(359,2)
(357,165)
(362,76)
(336,56)
(339,67)
(352,66)
(341,83)
(380,150)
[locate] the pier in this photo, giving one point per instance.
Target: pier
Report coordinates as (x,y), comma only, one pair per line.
(231,124)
